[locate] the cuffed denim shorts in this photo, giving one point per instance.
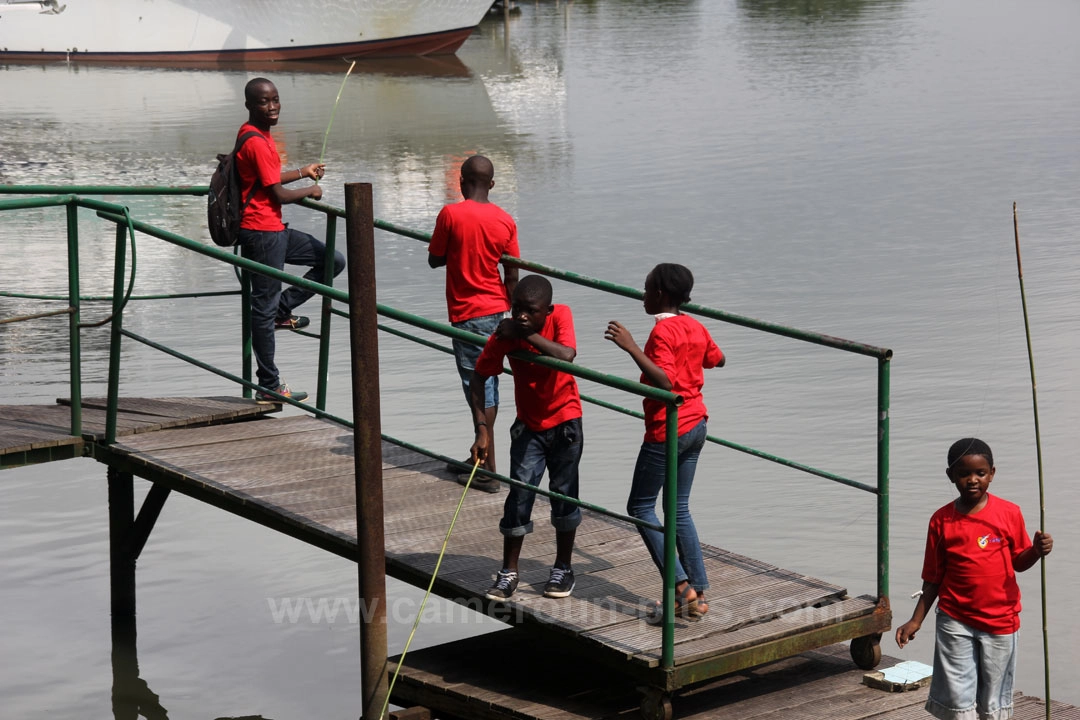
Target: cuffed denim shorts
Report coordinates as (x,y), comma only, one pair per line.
(466,354)
(973,673)
(558,450)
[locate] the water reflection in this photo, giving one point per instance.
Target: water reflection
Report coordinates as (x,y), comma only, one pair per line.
(810,44)
(131,695)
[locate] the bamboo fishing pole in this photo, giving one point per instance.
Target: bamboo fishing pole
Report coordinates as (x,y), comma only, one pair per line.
(326,135)
(1038,455)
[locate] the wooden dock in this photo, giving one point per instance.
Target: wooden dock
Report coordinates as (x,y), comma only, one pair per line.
(768,646)
(295,475)
(509,676)
(39,433)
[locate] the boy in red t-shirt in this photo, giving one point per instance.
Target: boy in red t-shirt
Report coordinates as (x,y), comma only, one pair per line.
(975,545)
(469,239)
(546,433)
(265,239)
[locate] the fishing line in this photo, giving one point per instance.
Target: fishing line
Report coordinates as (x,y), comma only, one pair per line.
(333,112)
(434,573)
(1038,455)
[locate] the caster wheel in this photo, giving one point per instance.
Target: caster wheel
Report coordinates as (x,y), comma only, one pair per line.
(655,705)
(866,651)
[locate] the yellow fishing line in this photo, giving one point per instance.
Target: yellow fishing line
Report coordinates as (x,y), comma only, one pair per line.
(435,572)
(333,112)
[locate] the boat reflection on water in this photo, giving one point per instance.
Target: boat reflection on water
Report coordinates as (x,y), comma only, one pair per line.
(76,123)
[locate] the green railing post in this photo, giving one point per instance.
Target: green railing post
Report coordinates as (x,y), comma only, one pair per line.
(883,477)
(245,329)
(671,501)
(74,349)
(119,264)
(324,326)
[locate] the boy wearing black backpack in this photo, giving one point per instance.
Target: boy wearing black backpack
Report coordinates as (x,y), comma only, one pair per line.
(265,239)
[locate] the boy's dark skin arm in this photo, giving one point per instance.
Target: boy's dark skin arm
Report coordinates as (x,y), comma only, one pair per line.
(906,632)
(510,280)
(510,329)
(285,197)
(1041,545)
(619,335)
(482,443)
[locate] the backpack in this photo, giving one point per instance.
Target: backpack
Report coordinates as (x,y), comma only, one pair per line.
(225,205)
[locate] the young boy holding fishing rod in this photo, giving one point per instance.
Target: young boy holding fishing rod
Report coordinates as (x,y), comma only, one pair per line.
(975,545)
(545,435)
(265,239)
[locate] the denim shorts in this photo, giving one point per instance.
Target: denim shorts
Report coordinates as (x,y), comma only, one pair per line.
(466,354)
(973,673)
(558,450)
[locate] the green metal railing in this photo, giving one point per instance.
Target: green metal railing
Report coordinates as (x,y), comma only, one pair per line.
(126,227)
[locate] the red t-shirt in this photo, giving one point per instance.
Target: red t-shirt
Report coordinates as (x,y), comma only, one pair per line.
(258,163)
(545,397)
(682,348)
(971,558)
(472,236)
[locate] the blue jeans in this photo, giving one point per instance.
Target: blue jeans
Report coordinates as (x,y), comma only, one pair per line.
(466,354)
(973,673)
(646,488)
(268,302)
(559,450)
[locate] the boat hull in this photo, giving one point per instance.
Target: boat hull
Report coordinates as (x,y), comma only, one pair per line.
(200,31)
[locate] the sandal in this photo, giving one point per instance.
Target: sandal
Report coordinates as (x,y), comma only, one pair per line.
(685,606)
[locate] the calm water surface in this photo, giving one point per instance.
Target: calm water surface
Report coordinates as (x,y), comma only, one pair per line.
(840,166)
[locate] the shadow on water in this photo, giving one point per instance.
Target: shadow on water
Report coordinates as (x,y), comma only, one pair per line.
(131,694)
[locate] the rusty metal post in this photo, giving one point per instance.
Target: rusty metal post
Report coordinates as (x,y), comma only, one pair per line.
(367,444)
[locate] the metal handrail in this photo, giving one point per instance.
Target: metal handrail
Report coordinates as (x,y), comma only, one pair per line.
(72,200)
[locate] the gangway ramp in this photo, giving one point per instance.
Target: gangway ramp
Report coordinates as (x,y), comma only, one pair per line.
(296,475)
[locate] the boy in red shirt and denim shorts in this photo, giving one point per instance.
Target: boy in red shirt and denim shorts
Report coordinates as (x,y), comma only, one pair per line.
(469,239)
(546,433)
(975,545)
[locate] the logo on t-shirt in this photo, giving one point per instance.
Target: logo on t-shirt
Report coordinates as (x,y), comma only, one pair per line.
(986,540)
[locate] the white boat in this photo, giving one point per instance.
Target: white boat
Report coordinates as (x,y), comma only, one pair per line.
(201,31)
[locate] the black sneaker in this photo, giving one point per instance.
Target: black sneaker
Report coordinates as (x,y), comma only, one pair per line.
(293,322)
(506,583)
(479,482)
(560,584)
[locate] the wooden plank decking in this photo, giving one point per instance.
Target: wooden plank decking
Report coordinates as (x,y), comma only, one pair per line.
(295,474)
(38,433)
(508,676)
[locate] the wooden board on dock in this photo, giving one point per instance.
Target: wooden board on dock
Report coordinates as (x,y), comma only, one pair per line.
(513,674)
(295,474)
(36,433)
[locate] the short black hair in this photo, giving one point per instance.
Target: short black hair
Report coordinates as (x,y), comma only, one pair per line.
(970,446)
(249,89)
(674,280)
(478,168)
(534,287)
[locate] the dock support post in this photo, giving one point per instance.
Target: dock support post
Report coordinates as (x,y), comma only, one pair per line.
(367,445)
(121,559)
